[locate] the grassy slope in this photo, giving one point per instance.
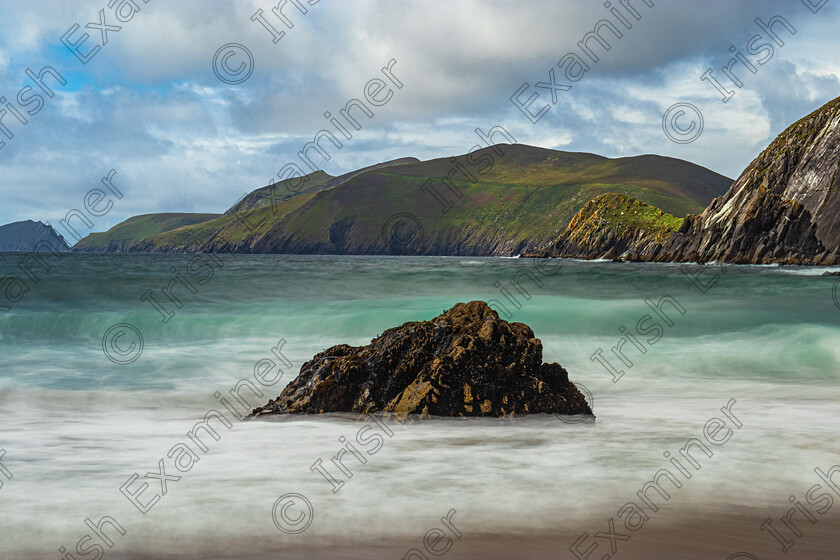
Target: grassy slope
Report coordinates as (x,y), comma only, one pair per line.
(529,194)
(273,194)
(123,235)
(229,229)
(623,217)
(314,182)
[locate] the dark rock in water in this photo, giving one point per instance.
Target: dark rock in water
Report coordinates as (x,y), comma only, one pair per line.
(831,273)
(465,362)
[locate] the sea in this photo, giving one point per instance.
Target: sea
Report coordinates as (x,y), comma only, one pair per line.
(719,384)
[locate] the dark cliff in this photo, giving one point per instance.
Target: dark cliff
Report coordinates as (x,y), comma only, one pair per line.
(784,208)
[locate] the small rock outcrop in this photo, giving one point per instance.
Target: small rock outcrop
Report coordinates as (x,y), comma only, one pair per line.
(611,226)
(465,362)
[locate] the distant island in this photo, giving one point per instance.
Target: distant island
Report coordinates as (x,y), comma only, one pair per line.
(30,237)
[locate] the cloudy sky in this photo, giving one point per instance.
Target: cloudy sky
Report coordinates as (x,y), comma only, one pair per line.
(149,104)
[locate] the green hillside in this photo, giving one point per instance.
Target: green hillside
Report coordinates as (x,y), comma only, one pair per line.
(612,226)
(615,219)
(624,216)
(527,197)
(309,184)
(284,190)
(123,236)
(223,231)
(528,192)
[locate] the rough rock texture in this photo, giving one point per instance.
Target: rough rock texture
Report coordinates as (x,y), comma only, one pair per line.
(784,208)
(611,226)
(465,362)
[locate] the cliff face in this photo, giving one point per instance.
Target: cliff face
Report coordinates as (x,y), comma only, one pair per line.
(784,208)
(465,362)
(29,236)
(353,236)
(612,226)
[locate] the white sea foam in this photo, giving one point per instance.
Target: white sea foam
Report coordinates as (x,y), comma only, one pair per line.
(75,426)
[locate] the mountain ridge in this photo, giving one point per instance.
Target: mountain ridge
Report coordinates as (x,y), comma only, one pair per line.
(500,204)
(121,237)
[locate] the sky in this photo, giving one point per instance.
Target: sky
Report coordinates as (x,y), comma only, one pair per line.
(190,123)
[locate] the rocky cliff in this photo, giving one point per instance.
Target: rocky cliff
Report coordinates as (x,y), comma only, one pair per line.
(784,208)
(465,362)
(612,226)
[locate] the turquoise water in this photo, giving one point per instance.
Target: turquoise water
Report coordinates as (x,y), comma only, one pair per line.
(75,424)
